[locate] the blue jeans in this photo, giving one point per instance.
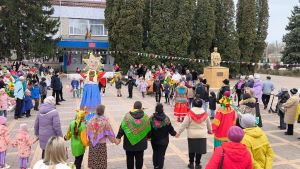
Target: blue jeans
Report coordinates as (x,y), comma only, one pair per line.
(205,105)
(3,113)
(212,113)
(75,93)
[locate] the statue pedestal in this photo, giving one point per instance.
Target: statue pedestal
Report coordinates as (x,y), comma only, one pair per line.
(215,76)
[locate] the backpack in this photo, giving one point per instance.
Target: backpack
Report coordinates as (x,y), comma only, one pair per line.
(200,91)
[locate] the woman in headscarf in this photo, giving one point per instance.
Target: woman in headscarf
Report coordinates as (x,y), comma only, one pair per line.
(161,127)
(98,131)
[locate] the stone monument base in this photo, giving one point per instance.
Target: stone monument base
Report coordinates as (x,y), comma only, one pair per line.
(215,76)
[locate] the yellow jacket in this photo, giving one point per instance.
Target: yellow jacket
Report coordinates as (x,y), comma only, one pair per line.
(258,144)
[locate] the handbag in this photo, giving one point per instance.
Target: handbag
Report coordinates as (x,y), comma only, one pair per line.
(222,159)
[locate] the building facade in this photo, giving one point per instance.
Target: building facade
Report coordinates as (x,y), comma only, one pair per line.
(81,30)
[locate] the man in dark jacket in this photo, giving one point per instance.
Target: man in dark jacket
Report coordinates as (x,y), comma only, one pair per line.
(135,128)
(157,89)
(56,86)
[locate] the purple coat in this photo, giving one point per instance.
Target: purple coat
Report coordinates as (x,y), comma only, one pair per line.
(47,124)
(257,87)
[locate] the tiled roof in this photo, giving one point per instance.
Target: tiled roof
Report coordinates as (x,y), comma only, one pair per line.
(81,3)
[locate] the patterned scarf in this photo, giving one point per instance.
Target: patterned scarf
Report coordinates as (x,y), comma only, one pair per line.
(98,128)
(135,129)
(159,120)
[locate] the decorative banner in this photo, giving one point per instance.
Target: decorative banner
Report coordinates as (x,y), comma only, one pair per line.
(186,59)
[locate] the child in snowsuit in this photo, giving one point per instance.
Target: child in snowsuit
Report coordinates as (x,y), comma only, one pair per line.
(75,87)
(35,94)
(4,141)
(23,143)
(143,86)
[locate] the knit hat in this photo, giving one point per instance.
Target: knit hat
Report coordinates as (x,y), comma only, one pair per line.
(248,121)
(227,93)
(24,127)
(294,91)
(3,120)
(50,100)
(235,134)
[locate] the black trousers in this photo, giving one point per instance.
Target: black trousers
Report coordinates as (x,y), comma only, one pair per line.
(43,154)
(239,95)
(266,99)
(43,97)
(61,94)
(18,110)
(158,157)
(290,129)
(258,114)
(138,156)
(78,161)
(56,95)
(192,158)
(130,91)
(167,97)
(157,96)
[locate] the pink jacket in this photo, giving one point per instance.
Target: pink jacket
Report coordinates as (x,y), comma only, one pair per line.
(23,143)
(4,138)
(4,102)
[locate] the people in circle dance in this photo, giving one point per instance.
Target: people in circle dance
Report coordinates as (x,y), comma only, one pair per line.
(239,142)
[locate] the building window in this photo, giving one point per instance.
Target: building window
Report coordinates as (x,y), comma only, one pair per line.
(80,27)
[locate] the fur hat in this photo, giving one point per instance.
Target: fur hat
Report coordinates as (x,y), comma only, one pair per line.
(50,100)
(248,121)
(294,91)
(3,120)
(235,134)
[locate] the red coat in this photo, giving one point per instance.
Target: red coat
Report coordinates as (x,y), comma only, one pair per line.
(236,156)
(223,120)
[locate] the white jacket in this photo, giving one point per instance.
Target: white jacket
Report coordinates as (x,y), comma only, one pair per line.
(196,129)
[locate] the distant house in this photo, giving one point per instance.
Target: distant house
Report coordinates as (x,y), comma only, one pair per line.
(81,30)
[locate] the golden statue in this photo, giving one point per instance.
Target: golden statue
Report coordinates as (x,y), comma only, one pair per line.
(215,58)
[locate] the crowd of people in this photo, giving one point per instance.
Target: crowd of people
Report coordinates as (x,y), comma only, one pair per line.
(239,140)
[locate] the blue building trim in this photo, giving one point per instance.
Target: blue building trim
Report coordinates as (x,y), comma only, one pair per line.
(83,44)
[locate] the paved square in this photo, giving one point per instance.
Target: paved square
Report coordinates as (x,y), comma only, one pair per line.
(287,148)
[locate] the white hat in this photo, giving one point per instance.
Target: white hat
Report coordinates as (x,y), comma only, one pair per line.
(256,76)
(248,121)
(242,77)
(50,100)
(250,77)
(24,127)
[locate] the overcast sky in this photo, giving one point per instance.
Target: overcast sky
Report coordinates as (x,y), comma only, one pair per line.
(279,10)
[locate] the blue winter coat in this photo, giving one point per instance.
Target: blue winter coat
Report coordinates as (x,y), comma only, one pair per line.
(27,104)
(35,91)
